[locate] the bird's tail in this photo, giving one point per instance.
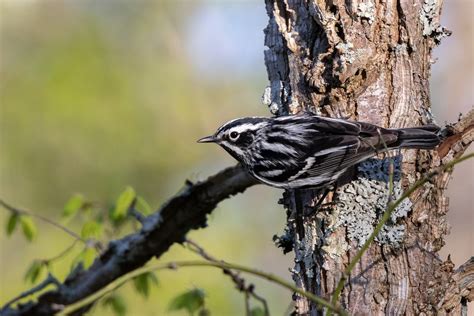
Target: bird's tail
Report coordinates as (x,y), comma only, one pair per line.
(423,137)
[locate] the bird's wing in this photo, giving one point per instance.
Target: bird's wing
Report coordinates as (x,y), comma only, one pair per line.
(344,152)
(320,148)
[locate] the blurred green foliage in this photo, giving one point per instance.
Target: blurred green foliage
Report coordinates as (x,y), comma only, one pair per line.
(100,95)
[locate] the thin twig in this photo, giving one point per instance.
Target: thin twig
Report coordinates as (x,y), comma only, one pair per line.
(62,253)
(247,303)
(132,211)
(263,301)
(238,280)
(50,279)
(386,216)
(182,264)
(42,218)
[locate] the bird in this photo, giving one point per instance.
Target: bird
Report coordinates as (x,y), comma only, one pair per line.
(311,151)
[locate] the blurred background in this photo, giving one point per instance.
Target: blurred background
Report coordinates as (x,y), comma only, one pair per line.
(98,95)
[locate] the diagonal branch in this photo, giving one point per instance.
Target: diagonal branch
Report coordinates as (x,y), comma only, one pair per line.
(186,210)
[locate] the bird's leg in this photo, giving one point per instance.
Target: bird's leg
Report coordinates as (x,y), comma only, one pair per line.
(299,212)
(319,204)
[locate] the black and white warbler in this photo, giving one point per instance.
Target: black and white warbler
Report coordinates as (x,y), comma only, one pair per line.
(311,151)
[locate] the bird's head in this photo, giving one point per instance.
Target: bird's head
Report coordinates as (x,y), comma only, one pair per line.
(237,136)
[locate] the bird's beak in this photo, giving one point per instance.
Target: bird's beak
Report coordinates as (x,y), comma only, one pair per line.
(208,139)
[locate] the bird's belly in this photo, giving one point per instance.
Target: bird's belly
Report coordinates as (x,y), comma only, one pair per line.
(304,182)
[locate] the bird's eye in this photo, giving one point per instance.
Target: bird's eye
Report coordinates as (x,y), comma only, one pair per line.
(233,136)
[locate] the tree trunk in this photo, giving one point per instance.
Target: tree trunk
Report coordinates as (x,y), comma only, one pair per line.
(368,61)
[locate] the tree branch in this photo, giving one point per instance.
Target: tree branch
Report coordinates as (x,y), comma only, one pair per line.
(186,210)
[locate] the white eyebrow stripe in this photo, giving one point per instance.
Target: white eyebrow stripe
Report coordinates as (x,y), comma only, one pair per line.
(247,127)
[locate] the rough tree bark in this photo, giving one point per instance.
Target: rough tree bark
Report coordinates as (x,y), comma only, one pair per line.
(367,60)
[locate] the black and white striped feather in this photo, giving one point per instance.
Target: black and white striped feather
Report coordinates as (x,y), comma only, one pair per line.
(309,150)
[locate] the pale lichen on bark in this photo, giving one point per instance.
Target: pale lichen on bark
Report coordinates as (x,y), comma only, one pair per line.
(430,17)
(360,203)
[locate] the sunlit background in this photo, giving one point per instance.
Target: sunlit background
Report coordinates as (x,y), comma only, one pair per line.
(98,95)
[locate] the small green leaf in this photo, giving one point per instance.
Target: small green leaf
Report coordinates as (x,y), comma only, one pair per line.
(91,229)
(34,271)
(257,311)
(191,301)
(11,224)
(142,283)
(143,206)
(153,278)
(74,204)
(88,256)
(29,228)
(123,203)
(117,303)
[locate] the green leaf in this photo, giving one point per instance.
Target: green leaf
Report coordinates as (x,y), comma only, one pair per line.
(11,224)
(143,206)
(117,303)
(142,283)
(29,228)
(123,203)
(191,301)
(153,278)
(34,271)
(88,256)
(91,229)
(74,204)
(257,311)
